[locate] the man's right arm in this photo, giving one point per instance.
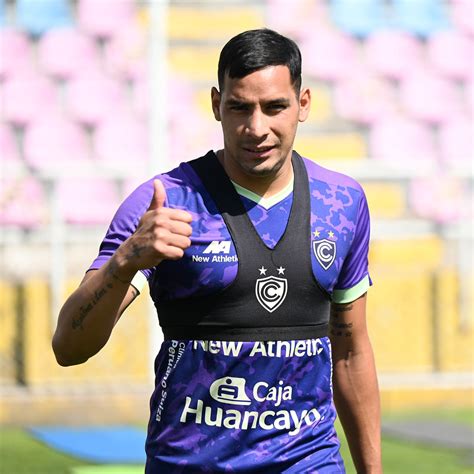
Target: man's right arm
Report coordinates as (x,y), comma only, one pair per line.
(88,316)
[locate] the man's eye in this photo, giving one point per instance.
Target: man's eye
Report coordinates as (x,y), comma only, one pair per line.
(277,107)
(238,107)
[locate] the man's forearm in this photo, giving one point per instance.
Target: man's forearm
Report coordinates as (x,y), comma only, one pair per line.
(357,400)
(87,318)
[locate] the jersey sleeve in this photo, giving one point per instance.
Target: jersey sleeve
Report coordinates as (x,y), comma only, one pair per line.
(354,279)
(124,224)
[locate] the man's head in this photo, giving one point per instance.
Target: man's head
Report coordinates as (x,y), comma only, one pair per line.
(259,105)
(253,50)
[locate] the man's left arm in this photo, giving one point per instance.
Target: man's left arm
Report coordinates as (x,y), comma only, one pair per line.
(356,393)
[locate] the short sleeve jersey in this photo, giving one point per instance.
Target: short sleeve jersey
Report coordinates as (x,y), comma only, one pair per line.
(247,406)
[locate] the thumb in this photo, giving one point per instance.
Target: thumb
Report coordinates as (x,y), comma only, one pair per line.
(159,196)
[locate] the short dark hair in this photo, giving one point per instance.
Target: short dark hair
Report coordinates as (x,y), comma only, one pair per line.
(253,50)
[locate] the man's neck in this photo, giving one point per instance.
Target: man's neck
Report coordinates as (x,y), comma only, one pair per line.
(264,186)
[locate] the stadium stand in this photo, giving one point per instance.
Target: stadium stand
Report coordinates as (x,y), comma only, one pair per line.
(64,53)
(393,105)
(39,17)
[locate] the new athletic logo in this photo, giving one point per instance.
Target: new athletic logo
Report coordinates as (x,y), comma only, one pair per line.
(232,390)
(271,291)
(216,247)
(325,252)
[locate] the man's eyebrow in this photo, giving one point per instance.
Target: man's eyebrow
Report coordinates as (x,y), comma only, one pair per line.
(281,101)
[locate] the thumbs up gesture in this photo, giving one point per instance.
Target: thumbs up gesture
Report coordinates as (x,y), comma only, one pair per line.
(162,234)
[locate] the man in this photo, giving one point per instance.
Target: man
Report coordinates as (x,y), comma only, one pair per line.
(257,263)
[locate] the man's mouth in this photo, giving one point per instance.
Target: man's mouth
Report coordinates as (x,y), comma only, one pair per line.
(258,150)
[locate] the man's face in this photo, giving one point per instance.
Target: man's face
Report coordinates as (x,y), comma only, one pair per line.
(259,115)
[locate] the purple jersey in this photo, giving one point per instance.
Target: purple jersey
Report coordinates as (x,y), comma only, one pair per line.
(235,406)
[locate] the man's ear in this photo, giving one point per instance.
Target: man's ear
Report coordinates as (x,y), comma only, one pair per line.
(216,103)
(305,104)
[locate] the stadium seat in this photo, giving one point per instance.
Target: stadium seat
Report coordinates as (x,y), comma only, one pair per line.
(451,202)
(103,18)
(3,18)
(126,53)
(330,55)
(452,53)
(456,142)
(15,52)
(364,98)
(65,52)
(27,97)
(420,17)
(37,17)
(92,97)
(386,200)
(56,144)
(196,62)
(403,142)
(327,146)
(393,53)
(429,97)
(194,23)
(462,15)
(9,152)
(22,203)
(359,18)
(87,201)
(122,142)
(469,96)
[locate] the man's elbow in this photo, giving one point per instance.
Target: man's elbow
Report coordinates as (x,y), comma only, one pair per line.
(64,357)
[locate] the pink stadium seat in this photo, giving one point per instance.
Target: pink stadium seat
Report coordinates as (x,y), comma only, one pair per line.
(122,142)
(87,201)
(8,148)
(22,203)
(429,97)
(403,141)
(456,141)
(103,18)
(65,52)
(330,55)
(393,53)
(462,15)
(126,53)
(92,97)
(443,199)
(55,143)
(15,52)
(469,96)
(364,98)
(306,17)
(27,97)
(452,53)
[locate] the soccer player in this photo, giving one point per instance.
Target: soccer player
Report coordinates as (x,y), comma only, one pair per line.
(256,259)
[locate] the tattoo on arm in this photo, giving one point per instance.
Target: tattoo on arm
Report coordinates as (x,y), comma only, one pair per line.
(135,252)
(340,328)
(112,272)
(86,309)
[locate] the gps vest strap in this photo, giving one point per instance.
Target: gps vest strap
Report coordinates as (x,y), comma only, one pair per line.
(274,295)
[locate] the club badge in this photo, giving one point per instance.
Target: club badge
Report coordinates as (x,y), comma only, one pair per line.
(271,291)
(325,252)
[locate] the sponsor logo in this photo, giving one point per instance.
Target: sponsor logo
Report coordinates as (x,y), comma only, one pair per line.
(325,252)
(216,247)
(233,391)
(271,291)
(216,252)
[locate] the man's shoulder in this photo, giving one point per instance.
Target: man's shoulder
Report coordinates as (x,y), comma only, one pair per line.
(318,173)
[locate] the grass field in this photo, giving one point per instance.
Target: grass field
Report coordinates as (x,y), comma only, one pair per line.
(20,454)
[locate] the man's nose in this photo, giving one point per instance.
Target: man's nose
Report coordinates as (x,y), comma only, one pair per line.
(257,124)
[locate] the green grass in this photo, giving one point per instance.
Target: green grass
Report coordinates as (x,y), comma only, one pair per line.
(21,454)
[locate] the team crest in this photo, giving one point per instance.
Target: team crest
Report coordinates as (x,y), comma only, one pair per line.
(271,292)
(325,252)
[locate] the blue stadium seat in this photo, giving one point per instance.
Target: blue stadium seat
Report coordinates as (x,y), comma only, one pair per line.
(420,17)
(39,16)
(358,17)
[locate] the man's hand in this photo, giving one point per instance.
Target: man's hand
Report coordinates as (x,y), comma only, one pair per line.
(162,234)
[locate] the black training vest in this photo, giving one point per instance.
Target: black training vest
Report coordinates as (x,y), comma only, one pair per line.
(275,295)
